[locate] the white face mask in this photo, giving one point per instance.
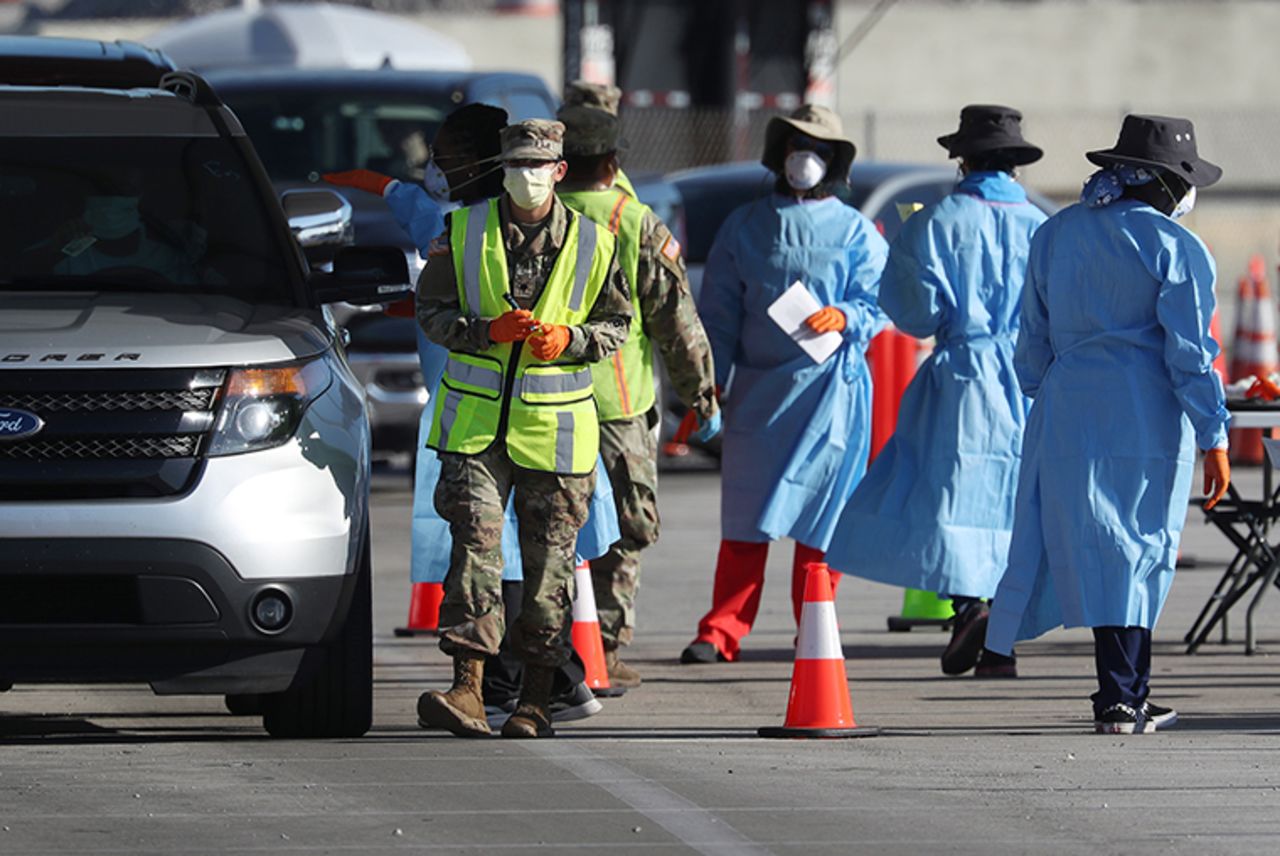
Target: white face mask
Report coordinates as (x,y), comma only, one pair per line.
(112,217)
(1184,206)
(435,182)
(529,186)
(805,170)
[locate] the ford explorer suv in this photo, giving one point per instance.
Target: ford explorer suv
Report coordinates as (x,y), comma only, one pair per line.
(184,451)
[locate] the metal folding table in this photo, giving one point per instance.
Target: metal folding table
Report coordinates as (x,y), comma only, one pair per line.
(1247,524)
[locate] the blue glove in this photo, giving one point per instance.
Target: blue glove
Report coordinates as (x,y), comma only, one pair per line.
(707,428)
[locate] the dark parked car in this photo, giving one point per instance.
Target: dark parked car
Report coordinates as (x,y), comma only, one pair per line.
(308,122)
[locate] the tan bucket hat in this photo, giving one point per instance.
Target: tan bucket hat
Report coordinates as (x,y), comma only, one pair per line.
(817,122)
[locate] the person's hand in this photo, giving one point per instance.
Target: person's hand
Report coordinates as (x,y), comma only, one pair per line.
(514,326)
(361,179)
(550,343)
(828,319)
(708,428)
(1217,476)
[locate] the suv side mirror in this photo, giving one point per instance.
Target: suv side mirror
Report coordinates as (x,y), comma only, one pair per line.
(320,220)
(363,276)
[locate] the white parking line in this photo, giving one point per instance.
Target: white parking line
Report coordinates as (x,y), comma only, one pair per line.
(696,827)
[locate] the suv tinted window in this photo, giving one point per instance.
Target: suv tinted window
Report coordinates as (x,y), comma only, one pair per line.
(135,213)
(300,135)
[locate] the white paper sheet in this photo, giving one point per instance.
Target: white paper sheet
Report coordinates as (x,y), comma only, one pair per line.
(789,312)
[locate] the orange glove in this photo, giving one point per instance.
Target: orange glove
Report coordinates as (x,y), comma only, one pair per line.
(1263,388)
(828,319)
(513,326)
(551,342)
(1217,476)
(361,179)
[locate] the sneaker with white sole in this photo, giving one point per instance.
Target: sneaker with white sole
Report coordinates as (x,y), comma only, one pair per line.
(1159,717)
(1122,719)
(578,703)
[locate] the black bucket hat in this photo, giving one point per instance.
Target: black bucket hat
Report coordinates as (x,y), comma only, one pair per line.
(1159,141)
(817,122)
(988,128)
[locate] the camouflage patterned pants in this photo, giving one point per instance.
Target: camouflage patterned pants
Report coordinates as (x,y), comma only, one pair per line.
(471,496)
(630,453)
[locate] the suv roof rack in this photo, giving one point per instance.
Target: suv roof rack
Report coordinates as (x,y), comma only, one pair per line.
(191,86)
(49,61)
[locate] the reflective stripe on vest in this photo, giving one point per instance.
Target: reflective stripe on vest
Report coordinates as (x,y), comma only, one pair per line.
(551,422)
(624,382)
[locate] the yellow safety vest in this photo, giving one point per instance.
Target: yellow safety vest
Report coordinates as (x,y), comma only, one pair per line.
(545,412)
(624,382)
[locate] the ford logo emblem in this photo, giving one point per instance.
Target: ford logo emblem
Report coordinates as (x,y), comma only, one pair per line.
(18,425)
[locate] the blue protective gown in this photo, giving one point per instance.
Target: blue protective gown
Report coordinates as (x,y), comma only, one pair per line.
(935,509)
(1115,349)
(419,215)
(796,433)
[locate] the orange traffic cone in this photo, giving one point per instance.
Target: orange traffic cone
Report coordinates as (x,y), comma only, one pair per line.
(1255,350)
(819,705)
(424,610)
(586,635)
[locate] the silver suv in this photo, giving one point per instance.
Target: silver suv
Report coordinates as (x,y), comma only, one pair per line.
(184,451)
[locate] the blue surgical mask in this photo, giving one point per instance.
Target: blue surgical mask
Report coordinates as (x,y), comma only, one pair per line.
(112,217)
(435,182)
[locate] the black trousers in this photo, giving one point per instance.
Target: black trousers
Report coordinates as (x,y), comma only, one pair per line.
(502,673)
(1123,656)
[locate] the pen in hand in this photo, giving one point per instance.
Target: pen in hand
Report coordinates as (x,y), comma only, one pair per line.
(511,301)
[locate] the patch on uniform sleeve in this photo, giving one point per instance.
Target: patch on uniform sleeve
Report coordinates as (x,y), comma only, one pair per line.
(671,248)
(439,246)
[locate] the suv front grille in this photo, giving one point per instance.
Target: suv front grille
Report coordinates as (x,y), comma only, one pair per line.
(177,446)
(89,402)
(108,432)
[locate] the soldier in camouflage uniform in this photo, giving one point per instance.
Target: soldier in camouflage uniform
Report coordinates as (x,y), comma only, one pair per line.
(551,503)
(663,314)
(604,97)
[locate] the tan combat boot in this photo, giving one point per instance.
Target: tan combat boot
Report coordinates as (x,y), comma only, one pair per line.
(533,714)
(620,674)
(461,709)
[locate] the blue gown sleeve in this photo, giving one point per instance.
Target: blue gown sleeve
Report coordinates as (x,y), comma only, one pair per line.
(1033,353)
(720,300)
(1184,308)
(416,212)
(868,253)
(914,277)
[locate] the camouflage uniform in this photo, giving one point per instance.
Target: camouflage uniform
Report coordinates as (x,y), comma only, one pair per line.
(473,490)
(629,446)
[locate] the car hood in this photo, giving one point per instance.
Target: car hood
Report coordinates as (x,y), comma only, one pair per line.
(99,330)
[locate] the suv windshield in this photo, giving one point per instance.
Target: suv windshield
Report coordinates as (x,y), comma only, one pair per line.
(135,214)
(300,135)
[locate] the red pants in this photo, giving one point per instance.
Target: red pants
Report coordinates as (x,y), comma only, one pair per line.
(735,598)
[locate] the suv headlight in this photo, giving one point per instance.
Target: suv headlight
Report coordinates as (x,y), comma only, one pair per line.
(263,406)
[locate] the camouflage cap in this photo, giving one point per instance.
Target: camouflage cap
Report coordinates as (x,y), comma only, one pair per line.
(533,139)
(588,130)
(599,95)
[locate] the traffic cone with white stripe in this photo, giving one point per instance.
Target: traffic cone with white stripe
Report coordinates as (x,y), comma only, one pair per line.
(424,610)
(1254,350)
(586,635)
(819,705)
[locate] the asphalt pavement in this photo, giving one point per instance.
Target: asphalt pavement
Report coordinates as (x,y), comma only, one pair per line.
(963,766)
